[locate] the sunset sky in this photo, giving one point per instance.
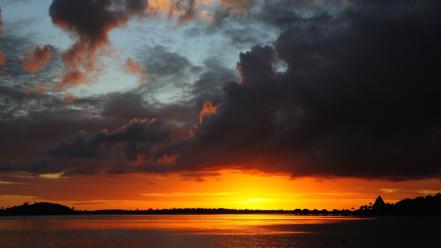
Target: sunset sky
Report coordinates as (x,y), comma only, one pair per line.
(268,104)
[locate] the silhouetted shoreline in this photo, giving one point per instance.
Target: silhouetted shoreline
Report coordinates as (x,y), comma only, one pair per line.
(420,206)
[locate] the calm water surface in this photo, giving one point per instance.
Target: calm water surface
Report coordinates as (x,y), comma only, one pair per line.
(218,231)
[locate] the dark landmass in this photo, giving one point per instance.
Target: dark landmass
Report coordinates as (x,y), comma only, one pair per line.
(38,208)
(420,206)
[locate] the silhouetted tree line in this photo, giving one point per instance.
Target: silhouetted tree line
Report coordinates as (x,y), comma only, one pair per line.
(420,206)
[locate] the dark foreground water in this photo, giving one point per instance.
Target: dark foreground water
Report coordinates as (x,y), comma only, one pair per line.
(229,231)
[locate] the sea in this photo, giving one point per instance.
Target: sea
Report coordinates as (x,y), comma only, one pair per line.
(218,231)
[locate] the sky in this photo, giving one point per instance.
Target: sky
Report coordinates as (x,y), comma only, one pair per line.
(254,104)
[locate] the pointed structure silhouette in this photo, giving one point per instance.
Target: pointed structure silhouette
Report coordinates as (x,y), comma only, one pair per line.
(379,203)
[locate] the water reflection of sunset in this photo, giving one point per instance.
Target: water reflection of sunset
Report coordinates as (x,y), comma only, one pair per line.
(238,224)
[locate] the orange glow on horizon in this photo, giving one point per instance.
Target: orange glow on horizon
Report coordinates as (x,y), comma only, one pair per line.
(226,189)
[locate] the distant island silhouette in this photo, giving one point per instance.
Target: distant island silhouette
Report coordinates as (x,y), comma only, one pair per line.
(420,206)
(38,208)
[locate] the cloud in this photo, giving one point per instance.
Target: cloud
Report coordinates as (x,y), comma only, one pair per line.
(2,58)
(1,22)
(125,106)
(389,190)
(38,59)
(137,69)
(70,79)
(183,10)
(235,5)
(170,74)
(139,136)
(134,146)
(207,110)
(359,99)
(16,48)
(52,176)
(90,23)
(186,7)
(210,84)
(2,55)
(166,66)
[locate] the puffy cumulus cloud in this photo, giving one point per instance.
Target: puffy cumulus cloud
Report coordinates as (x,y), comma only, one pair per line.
(133,67)
(360,98)
(38,59)
(90,22)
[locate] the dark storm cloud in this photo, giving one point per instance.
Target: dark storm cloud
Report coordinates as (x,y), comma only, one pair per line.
(92,20)
(27,139)
(136,137)
(126,106)
(360,98)
(67,141)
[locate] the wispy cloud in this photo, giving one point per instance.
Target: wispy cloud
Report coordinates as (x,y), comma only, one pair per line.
(411,191)
(53,176)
